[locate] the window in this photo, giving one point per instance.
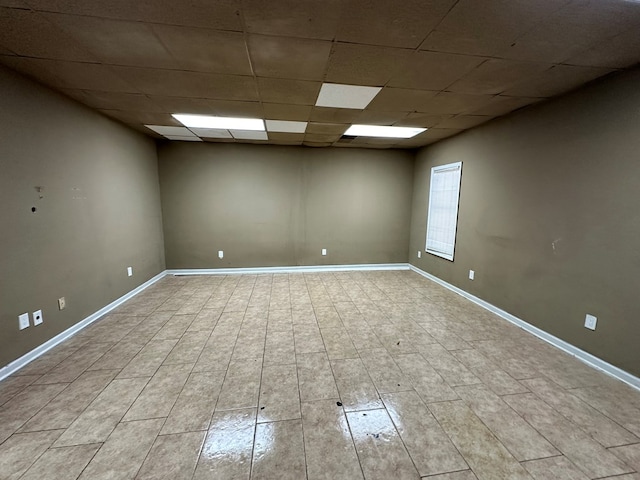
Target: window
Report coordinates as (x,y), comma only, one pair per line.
(442,216)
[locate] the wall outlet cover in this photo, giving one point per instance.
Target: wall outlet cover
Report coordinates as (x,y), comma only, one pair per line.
(472,274)
(324,251)
(23,321)
(37,317)
(419,253)
(220,254)
(590,322)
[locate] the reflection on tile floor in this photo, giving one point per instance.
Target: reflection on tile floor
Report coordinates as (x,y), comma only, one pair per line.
(374,375)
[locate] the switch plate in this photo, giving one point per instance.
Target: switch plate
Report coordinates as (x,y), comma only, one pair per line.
(129,271)
(23,321)
(472,274)
(62,303)
(37,317)
(220,254)
(590,322)
(419,253)
(324,251)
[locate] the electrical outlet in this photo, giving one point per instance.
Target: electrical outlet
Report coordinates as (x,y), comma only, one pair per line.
(220,254)
(37,317)
(419,253)
(324,252)
(23,321)
(472,274)
(129,271)
(590,322)
(62,303)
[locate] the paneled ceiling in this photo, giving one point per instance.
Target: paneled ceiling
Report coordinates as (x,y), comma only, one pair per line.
(447,65)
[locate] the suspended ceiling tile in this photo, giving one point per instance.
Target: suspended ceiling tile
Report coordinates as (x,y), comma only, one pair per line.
(29,34)
(205,50)
(115,42)
(362,141)
(464,44)
(620,51)
(14,3)
(297,92)
(248,135)
(395,24)
(296,138)
(311,143)
(321,137)
(433,71)
(556,80)
(72,75)
(597,20)
(495,76)
(302,18)
(464,121)
(144,118)
(380,117)
(453,103)
(170,104)
(211,132)
(285,126)
(334,115)
(135,102)
(364,64)
(501,105)
(178,138)
(394,99)
(327,128)
(170,130)
(189,84)
(422,120)
(282,57)
(229,108)
(281,111)
(198,13)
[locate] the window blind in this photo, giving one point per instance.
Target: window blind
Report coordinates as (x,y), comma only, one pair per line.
(442,216)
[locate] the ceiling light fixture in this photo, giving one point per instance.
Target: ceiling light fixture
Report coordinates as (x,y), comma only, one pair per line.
(383,131)
(227,123)
(346,96)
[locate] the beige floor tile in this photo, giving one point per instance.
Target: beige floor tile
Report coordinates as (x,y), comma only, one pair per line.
(279,451)
(486,456)
(279,348)
(315,378)
(11,386)
(49,360)
(630,454)
(118,357)
(464,475)
(307,339)
(383,370)
(99,419)
(172,457)
(380,450)
(357,391)
(499,381)
(21,450)
(149,359)
(524,442)
(329,450)
(425,380)
(205,320)
(216,353)
(364,338)
(159,395)
(17,411)
(188,348)
(250,343)
(327,317)
(228,446)
(124,451)
(73,366)
(241,387)
(615,403)
(64,463)
(338,344)
(394,340)
(175,327)
(601,428)
(451,370)
(430,448)
(279,395)
(71,402)
(554,468)
(588,455)
(195,405)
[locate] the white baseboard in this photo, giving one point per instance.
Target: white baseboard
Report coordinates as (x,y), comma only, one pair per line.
(62,336)
(291,269)
(585,357)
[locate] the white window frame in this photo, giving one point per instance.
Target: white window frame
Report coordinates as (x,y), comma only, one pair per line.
(446,253)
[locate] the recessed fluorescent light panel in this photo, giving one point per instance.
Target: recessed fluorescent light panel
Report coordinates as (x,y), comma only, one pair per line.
(383,131)
(169,130)
(286,126)
(211,132)
(346,96)
(226,123)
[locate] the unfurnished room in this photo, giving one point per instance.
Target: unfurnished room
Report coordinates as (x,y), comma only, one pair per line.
(319,239)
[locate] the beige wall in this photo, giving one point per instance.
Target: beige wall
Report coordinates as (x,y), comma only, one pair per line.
(549,216)
(279,206)
(100,212)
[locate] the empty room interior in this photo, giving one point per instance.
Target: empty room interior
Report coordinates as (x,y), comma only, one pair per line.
(338,239)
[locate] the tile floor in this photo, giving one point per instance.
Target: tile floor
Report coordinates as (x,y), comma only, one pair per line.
(376,375)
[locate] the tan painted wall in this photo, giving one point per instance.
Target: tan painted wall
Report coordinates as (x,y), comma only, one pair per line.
(279,206)
(100,212)
(549,216)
